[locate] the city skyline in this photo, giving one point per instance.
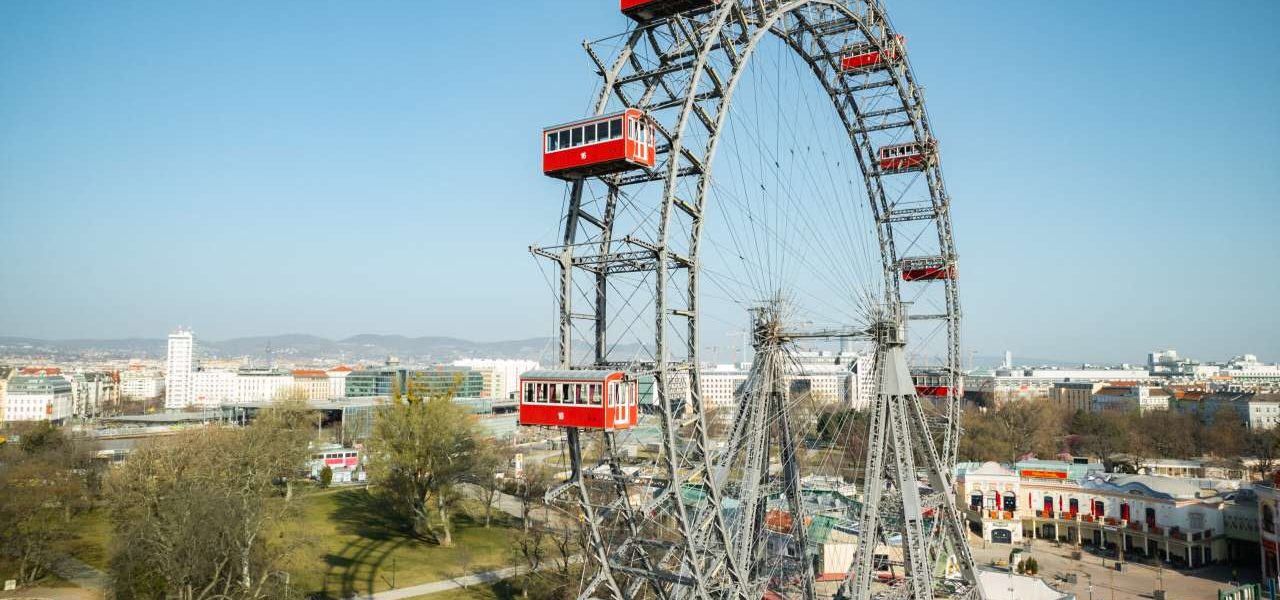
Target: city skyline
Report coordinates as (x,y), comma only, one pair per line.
(256,347)
(199,214)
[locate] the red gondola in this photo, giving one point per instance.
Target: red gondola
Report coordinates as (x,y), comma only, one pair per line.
(911,156)
(929,273)
(644,10)
(934,382)
(926,268)
(864,57)
(598,146)
(590,399)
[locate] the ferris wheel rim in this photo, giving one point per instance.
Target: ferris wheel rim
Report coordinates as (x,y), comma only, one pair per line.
(872,180)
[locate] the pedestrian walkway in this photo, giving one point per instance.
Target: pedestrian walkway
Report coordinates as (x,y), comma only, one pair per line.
(77,572)
(445,585)
(480,578)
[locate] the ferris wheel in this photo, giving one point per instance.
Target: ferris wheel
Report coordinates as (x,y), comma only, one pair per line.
(764,171)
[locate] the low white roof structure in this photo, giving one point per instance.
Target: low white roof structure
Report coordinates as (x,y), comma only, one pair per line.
(998,585)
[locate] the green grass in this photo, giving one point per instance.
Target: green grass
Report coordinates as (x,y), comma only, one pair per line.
(358,544)
(354,545)
(92,538)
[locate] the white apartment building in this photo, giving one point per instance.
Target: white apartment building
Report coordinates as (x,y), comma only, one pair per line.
(179,367)
(38,398)
(211,387)
(92,392)
(312,384)
(1247,370)
(1258,411)
(833,383)
(338,381)
(261,384)
(1139,398)
(141,384)
(507,372)
(5,373)
(1003,385)
(720,384)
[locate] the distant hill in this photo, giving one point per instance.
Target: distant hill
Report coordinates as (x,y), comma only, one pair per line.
(364,347)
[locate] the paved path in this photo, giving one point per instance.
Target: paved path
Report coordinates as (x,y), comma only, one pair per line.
(42,593)
(482,577)
(441,586)
(79,573)
(1136,582)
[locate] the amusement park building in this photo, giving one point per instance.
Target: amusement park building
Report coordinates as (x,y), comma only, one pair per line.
(1190,522)
(1268,506)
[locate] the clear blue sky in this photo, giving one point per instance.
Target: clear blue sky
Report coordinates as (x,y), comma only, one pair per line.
(338,168)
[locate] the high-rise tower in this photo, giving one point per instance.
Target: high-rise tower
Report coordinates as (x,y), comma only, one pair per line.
(178,369)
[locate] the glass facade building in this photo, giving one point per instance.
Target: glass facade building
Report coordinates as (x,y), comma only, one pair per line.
(366,383)
(458,382)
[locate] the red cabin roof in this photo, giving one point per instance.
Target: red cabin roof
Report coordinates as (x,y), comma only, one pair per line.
(645,10)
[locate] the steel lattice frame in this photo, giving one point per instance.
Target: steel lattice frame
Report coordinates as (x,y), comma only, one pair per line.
(689,98)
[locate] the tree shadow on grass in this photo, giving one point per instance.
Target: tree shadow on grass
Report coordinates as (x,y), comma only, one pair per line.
(367,515)
(378,530)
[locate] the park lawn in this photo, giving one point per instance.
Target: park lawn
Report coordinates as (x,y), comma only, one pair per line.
(357,547)
(92,538)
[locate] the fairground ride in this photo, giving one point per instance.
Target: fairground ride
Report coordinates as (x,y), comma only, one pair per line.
(763,169)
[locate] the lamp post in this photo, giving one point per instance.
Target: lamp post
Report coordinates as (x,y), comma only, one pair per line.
(1013,554)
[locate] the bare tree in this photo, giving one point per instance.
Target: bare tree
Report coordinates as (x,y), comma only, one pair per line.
(1227,437)
(530,550)
(44,481)
(530,489)
(190,513)
(485,466)
(1264,447)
